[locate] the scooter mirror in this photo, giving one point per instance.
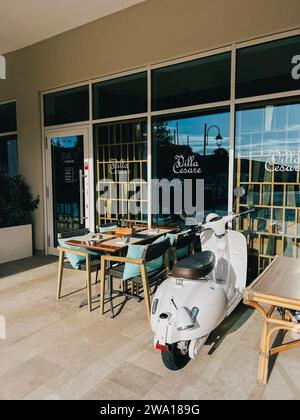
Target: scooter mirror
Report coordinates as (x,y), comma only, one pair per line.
(184,216)
(239,192)
(192,221)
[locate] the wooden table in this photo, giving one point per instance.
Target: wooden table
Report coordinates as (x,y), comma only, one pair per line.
(109,244)
(112,244)
(278,287)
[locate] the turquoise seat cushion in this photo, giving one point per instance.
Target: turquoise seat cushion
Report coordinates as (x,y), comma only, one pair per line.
(180,253)
(133,270)
(107,229)
(172,237)
(77,261)
(137,252)
(158,263)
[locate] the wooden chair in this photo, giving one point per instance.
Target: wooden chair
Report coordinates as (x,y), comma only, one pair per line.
(183,241)
(145,280)
(91,264)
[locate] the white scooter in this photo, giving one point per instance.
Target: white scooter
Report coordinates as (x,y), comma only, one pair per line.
(200,292)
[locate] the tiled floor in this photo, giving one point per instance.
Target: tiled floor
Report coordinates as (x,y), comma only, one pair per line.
(54,350)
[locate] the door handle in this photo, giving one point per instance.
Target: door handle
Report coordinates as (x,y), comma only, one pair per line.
(81,196)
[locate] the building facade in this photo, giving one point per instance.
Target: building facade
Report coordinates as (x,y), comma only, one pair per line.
(167,89)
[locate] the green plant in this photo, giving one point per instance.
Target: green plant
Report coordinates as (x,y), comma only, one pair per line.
(16,202)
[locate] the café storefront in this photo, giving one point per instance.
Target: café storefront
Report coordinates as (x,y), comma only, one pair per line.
(230,117)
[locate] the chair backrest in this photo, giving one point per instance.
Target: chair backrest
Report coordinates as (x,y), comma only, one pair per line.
(73,233)
(157,250)
(185,240)
(106,226)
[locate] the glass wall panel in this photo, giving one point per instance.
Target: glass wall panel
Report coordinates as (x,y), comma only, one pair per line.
(121,171)
(192,83)
(9,155)
(267,157)
(268,68)
(192,147)
(67,106)
(8,117)
(121,96)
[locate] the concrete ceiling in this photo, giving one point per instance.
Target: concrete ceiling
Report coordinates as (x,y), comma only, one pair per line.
(25,22)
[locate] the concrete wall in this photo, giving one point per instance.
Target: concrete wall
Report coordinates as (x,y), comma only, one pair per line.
(154,31)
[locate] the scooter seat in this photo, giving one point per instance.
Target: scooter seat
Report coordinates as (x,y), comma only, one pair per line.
(196,267)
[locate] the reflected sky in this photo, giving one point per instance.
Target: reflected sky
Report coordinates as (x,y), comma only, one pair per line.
(269,129)
(192,130)
(66,142)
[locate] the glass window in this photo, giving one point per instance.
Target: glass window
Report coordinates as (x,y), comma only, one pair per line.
(67,106)
(268,68)
(267,157)
(8,117)
(9,155)
(188,148)
(192,83)
(121,96)
(121,171)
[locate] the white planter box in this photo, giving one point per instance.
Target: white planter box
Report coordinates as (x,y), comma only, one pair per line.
(15,243)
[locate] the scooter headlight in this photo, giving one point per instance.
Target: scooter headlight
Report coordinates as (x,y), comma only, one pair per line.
(154,306)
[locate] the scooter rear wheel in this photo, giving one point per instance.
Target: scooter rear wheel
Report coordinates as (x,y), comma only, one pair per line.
(174,359)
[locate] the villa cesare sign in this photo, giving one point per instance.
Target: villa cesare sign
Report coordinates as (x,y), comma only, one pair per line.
(283,161)
(119,167)
(186,165)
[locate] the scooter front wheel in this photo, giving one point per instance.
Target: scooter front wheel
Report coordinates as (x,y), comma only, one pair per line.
(175,359)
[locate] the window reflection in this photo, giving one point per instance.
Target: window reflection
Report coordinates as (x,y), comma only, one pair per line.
(66,106)
(180,152)
(267,166)
(267,68)
(9,156)
(121,96)
(121,159)
(8,117)
(191,83)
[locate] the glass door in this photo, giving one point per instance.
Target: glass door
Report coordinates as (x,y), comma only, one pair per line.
(67,183)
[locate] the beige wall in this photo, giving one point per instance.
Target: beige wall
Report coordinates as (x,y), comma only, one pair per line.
(154,31)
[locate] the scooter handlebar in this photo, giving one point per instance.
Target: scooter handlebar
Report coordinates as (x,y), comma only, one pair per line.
(244,213)
(227,219)
(236,215)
